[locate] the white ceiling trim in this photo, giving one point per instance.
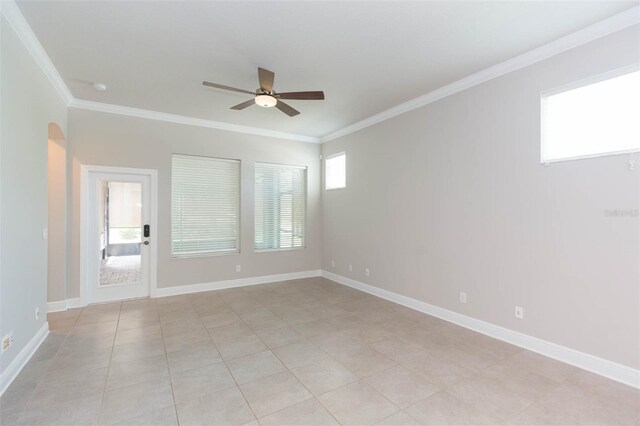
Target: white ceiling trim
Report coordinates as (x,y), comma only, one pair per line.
(15,18)
(598,30)
(20,25)
(189,121)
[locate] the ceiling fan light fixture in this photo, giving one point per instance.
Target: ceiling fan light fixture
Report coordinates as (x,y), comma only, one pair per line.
(266,101)
(265,97)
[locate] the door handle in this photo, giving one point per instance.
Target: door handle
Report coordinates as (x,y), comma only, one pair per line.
(146,243)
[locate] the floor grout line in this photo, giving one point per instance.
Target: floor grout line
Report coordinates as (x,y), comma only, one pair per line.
(227,365)
(283,364)
(296,298)
(316,397)
(39,383)
(166,357)
(106,380)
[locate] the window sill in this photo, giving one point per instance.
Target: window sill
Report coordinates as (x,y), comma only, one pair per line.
(583,157)
(281,249)
(197,255)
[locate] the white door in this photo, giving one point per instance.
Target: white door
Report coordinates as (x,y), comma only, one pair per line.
(118,236)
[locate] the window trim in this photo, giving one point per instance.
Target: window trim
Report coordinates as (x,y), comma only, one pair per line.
(272,250)
(208,254)
(618,72)
(306,210)
(329,157)
(238,250)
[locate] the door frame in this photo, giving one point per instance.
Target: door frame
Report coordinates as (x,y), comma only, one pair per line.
(85,190)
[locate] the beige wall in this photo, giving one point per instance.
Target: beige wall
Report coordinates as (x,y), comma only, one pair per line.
(57,217)
(451,197)
(28,103)
(113,140)
(447,198)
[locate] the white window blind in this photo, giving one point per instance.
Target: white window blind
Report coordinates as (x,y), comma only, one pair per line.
(335,172)
(281,207)
(205,205)
(595,117)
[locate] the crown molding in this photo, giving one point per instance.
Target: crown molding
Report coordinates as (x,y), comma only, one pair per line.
(598,30)
(19,24)
(189,121)
(17,21)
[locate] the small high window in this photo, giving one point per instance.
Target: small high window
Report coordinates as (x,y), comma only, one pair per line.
(335,174)
(590,118)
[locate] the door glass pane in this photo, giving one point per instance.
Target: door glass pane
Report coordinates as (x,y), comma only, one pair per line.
(120,232)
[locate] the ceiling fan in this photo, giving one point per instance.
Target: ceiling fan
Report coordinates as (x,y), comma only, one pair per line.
(266,97)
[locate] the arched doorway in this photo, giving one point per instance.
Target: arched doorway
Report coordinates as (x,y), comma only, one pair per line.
(57,217)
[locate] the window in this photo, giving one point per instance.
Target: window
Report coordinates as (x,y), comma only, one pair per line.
(335,174)
(597,118)
(205,205)
(281,207)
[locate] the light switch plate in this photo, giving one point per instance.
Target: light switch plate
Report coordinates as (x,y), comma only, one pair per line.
(6,343)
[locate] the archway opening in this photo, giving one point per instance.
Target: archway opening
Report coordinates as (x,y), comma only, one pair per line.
(57,218)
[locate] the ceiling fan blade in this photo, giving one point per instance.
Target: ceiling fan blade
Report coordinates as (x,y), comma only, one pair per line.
(221,86)
(309,96)
(244,105)
(287,109)
(266,79)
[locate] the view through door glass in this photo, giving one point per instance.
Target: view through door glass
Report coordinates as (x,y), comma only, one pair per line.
(120,227)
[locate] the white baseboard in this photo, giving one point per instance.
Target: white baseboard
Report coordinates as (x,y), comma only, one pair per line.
(63,305)
(11,372)
(60,305)
(240,282)
(603,367)
(76,302)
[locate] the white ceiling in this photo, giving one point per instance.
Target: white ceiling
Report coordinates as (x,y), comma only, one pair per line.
(367,57)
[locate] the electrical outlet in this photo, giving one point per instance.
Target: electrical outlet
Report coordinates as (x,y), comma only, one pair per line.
(366,271)
(37,313)
(350,268)
(6,342)
(45,233)
(519,312)
(238,268)
(463,297)
(333,263)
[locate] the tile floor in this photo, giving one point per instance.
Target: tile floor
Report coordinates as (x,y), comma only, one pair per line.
(294,353)
(120,270)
